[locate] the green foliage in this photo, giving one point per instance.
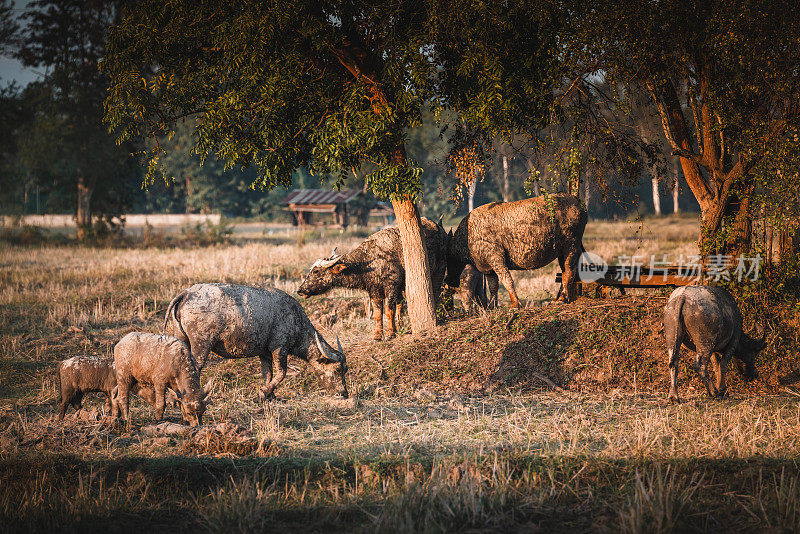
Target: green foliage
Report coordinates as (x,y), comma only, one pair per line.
(724,77)
(269,86)
(330,87)
(8,26)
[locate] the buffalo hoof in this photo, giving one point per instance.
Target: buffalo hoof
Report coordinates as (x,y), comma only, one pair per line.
(674,399)
(378,336)
(263,397)
(391,335)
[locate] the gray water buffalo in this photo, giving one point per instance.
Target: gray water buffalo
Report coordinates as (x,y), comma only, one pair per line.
(527,234)
(376,266)
(163,363)
(236,321)
(707,320)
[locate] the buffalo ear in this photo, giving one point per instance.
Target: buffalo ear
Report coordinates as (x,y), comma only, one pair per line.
(339,267)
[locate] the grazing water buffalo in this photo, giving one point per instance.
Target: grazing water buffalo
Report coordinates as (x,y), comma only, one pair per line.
(161,362)
(79,375)
(526,234)
(376,266)
(707,320)
(237,321)
(472,289)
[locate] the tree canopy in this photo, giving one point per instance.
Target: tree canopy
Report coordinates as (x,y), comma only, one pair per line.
(724,78)
(329,86)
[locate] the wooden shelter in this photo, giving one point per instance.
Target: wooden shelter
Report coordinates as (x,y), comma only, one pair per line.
(309,205)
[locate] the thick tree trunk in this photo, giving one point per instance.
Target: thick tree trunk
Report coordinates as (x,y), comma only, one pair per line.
(506,185)
(714,191)
(83,210)
(656,196)
(740,235)
(419,291)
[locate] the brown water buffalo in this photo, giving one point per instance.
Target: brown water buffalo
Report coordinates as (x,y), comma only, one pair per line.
(527,234)
(376,266)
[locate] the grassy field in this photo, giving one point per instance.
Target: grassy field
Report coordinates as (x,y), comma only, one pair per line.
(553,418)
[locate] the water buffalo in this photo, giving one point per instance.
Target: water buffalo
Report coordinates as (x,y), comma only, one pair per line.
(376,266)
(79,375)
(526,234)
(707,320)
(472,290)
(163,363)
(237,321)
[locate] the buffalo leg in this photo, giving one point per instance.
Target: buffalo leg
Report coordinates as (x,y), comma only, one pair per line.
(160,403)
(377,314)
(200,350)
(701,366)
(722,368)
(280,364)
(391,312)
(505,278)
(266,376)
(569,275)
(391,323)
(66,400)
(493,283)
(123,402)
(673,354)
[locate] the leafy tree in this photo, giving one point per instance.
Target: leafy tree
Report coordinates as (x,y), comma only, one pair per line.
(65,141)
(322,85)
(327,86)
(731,65)
(8,26)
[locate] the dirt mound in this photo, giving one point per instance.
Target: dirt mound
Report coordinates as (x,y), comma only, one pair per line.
(589,346)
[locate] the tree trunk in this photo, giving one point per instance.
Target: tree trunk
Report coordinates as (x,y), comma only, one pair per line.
(83,211)
(741,229)
(656,196)
(715,192)
(587,194)
(506,185)
(419,292)
(675,192)
(471,193)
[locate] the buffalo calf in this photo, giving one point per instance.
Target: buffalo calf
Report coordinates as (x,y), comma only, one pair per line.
(79,375)
(162,363)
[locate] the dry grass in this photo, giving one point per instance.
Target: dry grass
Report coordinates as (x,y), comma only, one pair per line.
(453,431)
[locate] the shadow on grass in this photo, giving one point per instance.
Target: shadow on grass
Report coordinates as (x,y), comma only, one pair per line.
(538,357)
(67,493)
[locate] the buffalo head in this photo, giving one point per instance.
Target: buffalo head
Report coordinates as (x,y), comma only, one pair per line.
(321,276)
